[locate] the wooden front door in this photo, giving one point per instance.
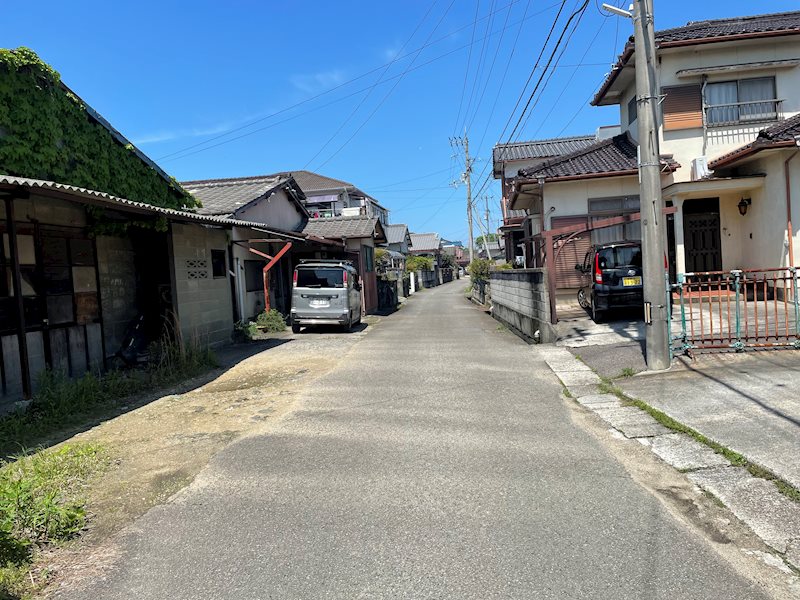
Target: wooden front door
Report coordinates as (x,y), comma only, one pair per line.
(701,235)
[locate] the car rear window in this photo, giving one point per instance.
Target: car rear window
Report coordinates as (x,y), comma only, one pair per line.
(623,256)
(314,278)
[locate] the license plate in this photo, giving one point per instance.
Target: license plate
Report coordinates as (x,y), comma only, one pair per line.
(319,304)
(631,281)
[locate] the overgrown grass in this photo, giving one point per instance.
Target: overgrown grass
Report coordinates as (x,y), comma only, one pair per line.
(735,458)
(271,321)
(41,504)
(626,372)
(61,402)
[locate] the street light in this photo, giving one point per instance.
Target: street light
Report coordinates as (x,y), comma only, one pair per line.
(620,12)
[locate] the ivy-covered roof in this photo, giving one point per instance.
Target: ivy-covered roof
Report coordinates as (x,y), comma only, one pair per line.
(47,132)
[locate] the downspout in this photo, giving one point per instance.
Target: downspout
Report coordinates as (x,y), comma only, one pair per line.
(789,229)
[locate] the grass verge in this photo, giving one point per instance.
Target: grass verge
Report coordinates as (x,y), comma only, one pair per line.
(735,458)
(61,402)
(41,504)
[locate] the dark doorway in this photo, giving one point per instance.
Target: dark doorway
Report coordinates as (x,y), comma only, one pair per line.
(701,235)
(153,281)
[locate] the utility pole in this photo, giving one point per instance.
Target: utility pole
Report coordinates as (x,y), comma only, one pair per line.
(488,227)
(466,177)
(652,202)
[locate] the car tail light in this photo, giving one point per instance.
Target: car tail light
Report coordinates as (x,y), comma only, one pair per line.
(598,274)
(344,278)
(294,279)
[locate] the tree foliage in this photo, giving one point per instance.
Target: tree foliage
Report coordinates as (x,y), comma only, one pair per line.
(419,263)
(479,269)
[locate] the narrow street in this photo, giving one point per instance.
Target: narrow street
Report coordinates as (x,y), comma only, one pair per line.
(438,460)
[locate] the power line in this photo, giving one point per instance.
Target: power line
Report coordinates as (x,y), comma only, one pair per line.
(480,66)
(246,134)
(372,88)
(333,89)
(389,93)
(387,185)
(577,12)
(466,72)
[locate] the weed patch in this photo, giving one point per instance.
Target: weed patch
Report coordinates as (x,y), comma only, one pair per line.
(626,372)
(271,321)
(41,504)
(61,402)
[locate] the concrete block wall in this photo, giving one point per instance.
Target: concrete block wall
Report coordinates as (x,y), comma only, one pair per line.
(203,301)
(521,300)
(117,270)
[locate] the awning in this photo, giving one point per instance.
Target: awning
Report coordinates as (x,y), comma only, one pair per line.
(713,185)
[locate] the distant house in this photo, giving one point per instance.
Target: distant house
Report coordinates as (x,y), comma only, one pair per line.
(278,203)
(426,244)
(456,250)
(507,160)
(398,238)
(360,236)
(327,197)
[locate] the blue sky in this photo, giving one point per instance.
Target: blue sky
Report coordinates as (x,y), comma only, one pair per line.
(182,80)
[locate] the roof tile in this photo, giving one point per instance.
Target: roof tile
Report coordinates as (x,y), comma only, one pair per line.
(342,227)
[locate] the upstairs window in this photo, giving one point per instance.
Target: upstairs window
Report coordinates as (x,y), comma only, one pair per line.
(732,102)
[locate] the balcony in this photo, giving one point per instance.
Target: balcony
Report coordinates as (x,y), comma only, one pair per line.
(743,113)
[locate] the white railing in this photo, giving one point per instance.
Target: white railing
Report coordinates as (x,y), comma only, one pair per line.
(737,113)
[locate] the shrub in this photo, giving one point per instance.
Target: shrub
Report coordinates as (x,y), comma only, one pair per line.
(503,267)
(271,321)
(419,263)
(244,331)
(479,269)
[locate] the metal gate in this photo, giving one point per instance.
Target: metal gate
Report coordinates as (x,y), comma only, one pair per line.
(738,310)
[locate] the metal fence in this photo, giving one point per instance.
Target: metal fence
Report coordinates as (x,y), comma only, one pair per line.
(737,309)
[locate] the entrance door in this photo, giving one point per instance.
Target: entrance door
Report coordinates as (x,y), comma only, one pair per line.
(701,235)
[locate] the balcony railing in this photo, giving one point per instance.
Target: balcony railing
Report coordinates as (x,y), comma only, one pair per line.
(738,113)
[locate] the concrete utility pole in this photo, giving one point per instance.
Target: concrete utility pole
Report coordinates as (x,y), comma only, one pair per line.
(652,202)
(466,177)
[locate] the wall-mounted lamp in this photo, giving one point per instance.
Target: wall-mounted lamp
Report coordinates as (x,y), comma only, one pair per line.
(743,205)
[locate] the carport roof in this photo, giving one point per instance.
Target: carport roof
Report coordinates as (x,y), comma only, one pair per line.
(337,228)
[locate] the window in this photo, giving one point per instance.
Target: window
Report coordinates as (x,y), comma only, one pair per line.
(741,101)
(218,263)
(254,275)
(620,257)
(682,107)
(632,110)
(320,278)
(604,208)
(369,258)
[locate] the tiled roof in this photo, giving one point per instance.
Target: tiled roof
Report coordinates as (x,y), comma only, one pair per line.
(783,133)
(336,228)
(396,234)
(311,182)
(616,155)
(425,242)
(696,30)
(540,148)
(226,196)
(715,30)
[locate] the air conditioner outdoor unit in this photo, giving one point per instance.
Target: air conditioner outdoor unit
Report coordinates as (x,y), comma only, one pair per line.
(700,168)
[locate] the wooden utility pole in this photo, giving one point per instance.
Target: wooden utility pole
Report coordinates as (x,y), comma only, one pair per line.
(466,177)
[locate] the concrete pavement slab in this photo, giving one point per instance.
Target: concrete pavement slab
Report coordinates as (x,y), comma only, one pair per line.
(560,360)
(597,399)
(746,402)
(632,421)
(570,378)
(771,515)
(684,453)
(579,391)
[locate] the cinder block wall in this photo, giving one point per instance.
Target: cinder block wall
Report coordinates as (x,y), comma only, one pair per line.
(521,300)
(203,301)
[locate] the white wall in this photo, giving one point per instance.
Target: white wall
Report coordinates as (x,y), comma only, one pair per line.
(571,198)
(278,210)
(687,144)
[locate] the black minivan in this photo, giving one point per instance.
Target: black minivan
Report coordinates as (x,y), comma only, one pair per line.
(611,278)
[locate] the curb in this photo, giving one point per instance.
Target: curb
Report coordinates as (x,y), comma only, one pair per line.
(770,515)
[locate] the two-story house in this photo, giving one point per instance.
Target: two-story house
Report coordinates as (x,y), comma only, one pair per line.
(730,98)
(328,197)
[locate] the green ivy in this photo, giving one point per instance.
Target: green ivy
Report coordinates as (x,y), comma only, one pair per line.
(46,133)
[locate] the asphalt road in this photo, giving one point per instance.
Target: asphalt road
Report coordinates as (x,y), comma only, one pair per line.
(438,460)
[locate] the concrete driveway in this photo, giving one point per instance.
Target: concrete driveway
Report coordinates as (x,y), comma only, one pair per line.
(439,460)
